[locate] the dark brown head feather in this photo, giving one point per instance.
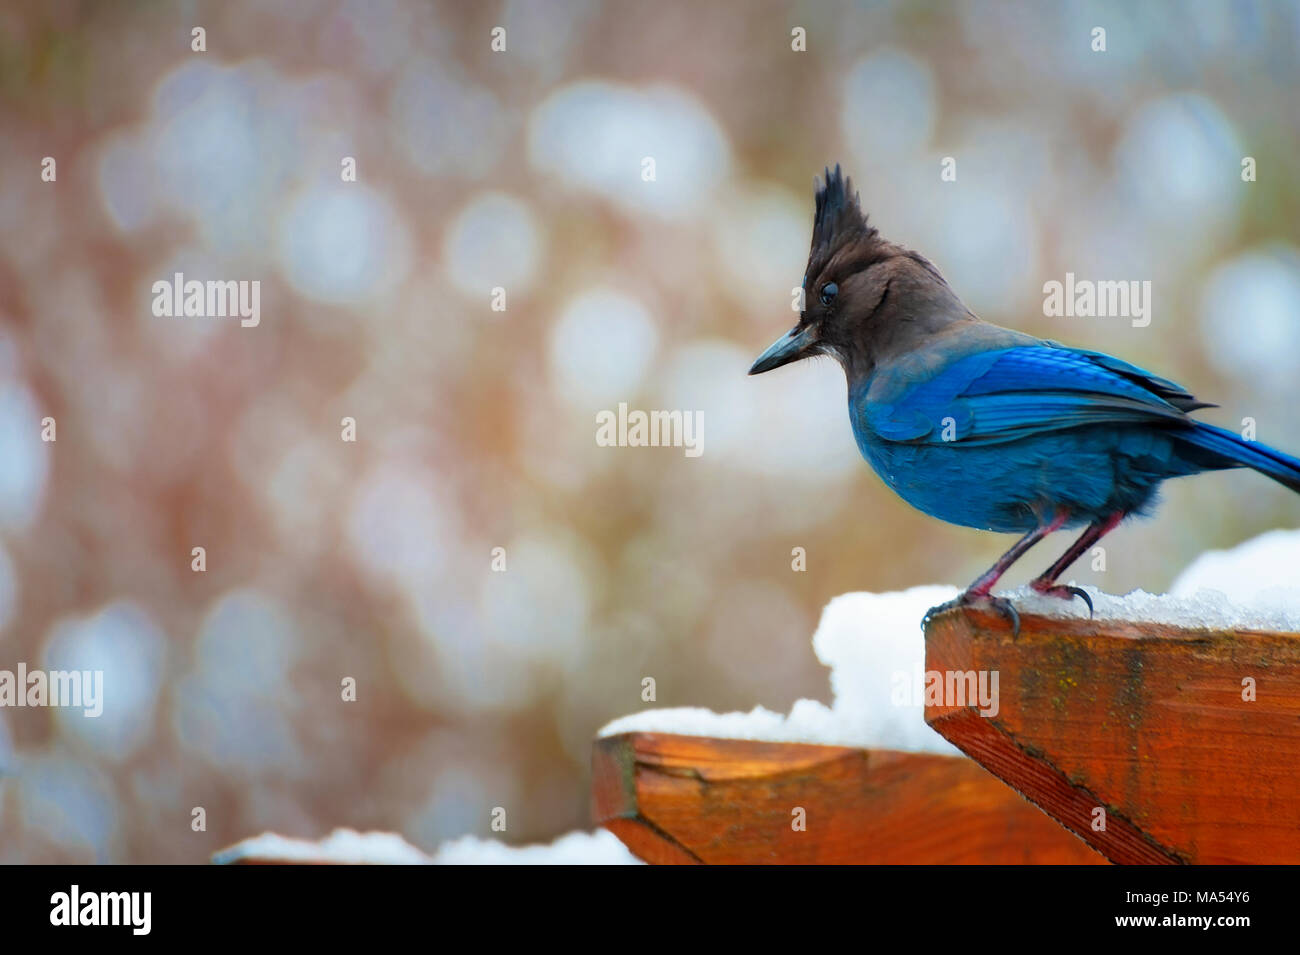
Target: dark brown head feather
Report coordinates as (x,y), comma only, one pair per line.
(838,221)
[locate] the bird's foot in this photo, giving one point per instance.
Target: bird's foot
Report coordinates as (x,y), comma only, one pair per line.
(971,598)
(1064,592)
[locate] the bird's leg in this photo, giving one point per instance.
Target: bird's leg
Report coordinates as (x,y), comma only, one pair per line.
(983,585)
(981,590)
(1045,583)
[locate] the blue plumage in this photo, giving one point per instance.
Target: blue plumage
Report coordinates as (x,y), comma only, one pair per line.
(1005,439)
(987,427)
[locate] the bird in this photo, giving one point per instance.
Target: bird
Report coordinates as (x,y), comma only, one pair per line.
(989,427)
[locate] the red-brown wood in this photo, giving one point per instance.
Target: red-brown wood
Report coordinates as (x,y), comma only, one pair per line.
(1147,722)
(686,799)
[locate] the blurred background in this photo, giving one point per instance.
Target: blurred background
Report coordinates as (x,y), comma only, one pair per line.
(522,170)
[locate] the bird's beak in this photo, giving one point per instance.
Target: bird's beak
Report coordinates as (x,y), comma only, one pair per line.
(790,347)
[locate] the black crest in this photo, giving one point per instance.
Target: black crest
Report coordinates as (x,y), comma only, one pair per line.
(839,219)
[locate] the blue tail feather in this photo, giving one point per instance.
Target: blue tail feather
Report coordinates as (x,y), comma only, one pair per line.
(1227,449)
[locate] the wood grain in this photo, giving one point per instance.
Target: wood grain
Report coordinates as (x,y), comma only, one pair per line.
(686,799)
(1147,722)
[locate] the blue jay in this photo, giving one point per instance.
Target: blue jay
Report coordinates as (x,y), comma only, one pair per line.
(984,426)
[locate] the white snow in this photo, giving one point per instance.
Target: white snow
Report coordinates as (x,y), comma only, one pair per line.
(1192,608)
(601,847)
(345,846)
(348,847)
(874,647)
(1253,586)
(1262,574)
(873,644)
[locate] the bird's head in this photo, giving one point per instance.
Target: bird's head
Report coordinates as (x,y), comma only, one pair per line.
(862,294)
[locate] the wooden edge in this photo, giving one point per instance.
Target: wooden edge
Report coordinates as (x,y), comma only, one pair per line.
(669,798)
(966,639)
(1046,787)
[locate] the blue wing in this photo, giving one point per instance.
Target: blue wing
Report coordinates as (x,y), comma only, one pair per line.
(1007,394)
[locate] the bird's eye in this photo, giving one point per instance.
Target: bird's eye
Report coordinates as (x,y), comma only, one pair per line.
(828,292)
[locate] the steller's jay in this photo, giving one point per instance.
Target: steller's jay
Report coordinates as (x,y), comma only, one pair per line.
(984,426)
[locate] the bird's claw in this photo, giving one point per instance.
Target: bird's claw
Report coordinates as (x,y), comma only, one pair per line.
(1004,606)
(1067,592)
(967,599)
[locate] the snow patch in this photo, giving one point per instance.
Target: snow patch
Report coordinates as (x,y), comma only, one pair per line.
(342,846)
(1193,608)
(348,847)
(874,647)
(601,847)
(1262,574)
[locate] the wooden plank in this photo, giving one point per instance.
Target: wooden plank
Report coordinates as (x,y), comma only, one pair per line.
(1146,722)
(686,799)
